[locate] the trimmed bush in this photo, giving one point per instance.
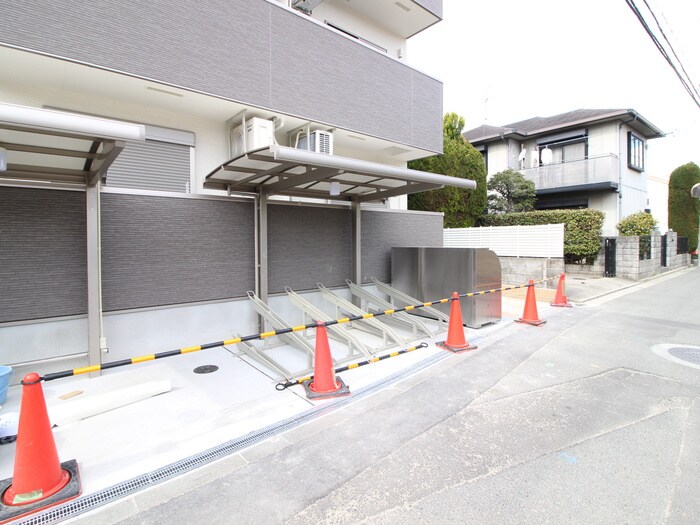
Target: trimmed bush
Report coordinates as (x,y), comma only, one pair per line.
(640,223)
(582,229)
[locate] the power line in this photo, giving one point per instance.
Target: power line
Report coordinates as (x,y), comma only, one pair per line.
(687,76)
(685,81)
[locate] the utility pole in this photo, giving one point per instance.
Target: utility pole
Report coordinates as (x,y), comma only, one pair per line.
(695,193)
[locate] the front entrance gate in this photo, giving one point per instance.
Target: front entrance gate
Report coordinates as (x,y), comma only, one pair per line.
(610,257)
(663,250)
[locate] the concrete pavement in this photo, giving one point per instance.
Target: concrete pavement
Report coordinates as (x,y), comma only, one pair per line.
(577,421)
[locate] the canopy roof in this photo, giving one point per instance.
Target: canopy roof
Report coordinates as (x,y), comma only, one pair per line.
(279,170)
(57,146)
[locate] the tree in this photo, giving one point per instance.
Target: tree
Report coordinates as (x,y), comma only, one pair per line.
(640,223)
(460,159)
(684,210)
(510,192)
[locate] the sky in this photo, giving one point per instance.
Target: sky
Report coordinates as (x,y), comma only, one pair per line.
(502,61)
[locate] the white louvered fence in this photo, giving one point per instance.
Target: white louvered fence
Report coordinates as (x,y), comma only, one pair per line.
(545,240)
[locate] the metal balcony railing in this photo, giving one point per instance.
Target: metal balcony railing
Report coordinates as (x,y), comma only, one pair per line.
(578,173)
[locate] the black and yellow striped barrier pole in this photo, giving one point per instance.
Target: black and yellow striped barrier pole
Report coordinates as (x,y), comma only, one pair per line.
(265,335)
(282,386)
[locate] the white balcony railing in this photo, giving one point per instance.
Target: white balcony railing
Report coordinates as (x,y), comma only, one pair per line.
(596,170)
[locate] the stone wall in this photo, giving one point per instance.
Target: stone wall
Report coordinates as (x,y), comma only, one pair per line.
(627,263)
(518,270)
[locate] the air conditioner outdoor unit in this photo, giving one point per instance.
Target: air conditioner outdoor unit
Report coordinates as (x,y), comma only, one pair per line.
(320,142)
(259,133)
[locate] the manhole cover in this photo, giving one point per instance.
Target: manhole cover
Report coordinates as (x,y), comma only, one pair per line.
(687,355)
(205,369)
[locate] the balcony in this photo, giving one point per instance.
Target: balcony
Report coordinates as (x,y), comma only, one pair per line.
(597,173)
(404,18)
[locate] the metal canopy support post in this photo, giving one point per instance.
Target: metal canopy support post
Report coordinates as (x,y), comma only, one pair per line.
(262,291)
(94,278)
(356,246)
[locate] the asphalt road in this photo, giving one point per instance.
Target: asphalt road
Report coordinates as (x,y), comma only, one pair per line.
(578,421)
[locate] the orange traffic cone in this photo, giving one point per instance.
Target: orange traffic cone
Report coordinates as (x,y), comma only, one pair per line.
(324,383)
(530,313)
(39,480)
(560,298)
(456,342)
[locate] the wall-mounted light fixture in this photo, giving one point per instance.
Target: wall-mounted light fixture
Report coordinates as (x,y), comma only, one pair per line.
(334,188)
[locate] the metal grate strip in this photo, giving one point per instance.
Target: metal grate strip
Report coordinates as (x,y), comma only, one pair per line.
(93,501)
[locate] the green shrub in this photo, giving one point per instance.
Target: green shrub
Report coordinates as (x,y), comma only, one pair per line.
(683,210)
(640,223)
(460,159)
(582,228)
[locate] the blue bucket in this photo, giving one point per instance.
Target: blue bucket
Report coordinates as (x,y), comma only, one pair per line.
(5,377)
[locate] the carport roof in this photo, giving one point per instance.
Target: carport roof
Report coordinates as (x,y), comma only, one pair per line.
(56,146)
(279,170)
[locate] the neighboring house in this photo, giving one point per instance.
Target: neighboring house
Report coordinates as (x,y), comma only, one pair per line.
(588,158)
(208,119)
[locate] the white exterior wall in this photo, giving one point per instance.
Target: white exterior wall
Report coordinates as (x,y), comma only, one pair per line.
(210,135)
(498,158)
(633,184)
(602,139)
(608,204)
(657,197)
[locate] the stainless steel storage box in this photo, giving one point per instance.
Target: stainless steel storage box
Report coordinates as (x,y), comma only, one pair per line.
(429,274)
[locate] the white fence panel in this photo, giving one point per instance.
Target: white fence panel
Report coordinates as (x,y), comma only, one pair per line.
(546,240)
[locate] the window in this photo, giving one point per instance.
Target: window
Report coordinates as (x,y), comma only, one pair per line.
(564,147)
(635,152)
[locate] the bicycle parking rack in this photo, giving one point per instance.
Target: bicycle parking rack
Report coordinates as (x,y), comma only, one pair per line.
(337,331)
(293,339)
(411,321)
(398,295)
(344,307)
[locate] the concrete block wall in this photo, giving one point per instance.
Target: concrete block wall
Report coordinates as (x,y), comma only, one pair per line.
(518,270)
(675,260)
(628,265)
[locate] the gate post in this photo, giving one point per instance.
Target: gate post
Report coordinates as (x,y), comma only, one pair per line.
(610,256)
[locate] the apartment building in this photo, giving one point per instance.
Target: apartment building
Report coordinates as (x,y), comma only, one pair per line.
(587,158)
(164,158)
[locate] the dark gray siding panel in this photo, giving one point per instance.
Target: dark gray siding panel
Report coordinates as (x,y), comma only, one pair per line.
(308,245)
(434,6)
(209,46)
(159,250)
(254,52)
(383,230)
(43,271)
(427,129)
(316,73)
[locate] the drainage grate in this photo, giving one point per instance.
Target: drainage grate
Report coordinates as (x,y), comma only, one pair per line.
(121,490)
(691,354)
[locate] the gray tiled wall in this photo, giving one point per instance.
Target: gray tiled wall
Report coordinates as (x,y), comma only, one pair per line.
(383,230)
(162,250)
(42,253)
(308,245)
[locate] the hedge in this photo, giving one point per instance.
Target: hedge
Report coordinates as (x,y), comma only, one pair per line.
(582,228)
(683,210)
